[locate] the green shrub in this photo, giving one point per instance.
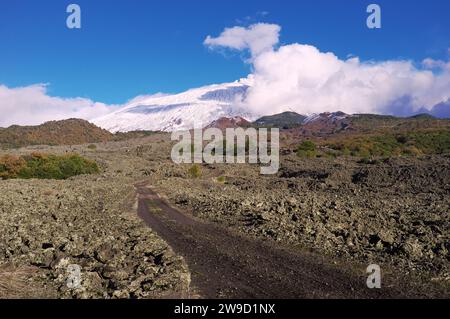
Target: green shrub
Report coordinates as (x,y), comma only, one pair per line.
(221,179)
(307,149)
(330,154)
(413,143)
(195,171)
(45,166)
(402,139)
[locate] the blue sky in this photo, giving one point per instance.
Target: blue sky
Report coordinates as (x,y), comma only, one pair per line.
(131,47)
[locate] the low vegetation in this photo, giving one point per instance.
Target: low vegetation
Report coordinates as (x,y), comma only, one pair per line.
(388,144)
(307,149)
(195,171)
(221,179)
(45,166)
(123,136)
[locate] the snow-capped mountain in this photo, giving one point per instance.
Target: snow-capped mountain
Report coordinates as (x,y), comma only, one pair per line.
(193,108)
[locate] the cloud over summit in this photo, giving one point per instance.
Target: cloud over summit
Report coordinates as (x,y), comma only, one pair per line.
(300,77)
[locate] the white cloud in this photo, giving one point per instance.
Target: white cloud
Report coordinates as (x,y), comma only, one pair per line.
(31,105)
(258,38)
(429,63)
(300,77)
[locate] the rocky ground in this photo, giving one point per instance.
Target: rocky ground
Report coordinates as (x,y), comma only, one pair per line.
(89,221)
(394,213)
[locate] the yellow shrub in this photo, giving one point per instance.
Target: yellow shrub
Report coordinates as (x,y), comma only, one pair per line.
(11,165)
(195,171)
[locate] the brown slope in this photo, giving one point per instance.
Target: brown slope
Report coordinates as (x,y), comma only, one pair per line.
(229,122)
(65,132)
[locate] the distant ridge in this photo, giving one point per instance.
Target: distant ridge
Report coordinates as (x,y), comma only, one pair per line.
(285,119)
(330,123)
(64,132)
(77,131)
(423,116)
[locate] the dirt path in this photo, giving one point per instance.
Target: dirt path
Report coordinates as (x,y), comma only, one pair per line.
(227,265)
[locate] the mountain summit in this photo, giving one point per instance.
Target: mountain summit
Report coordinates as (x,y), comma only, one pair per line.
(193,108)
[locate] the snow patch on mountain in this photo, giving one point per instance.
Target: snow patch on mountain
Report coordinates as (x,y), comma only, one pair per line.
(333,117)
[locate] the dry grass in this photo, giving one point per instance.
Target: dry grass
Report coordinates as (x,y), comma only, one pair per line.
(14,281)
(47,192)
